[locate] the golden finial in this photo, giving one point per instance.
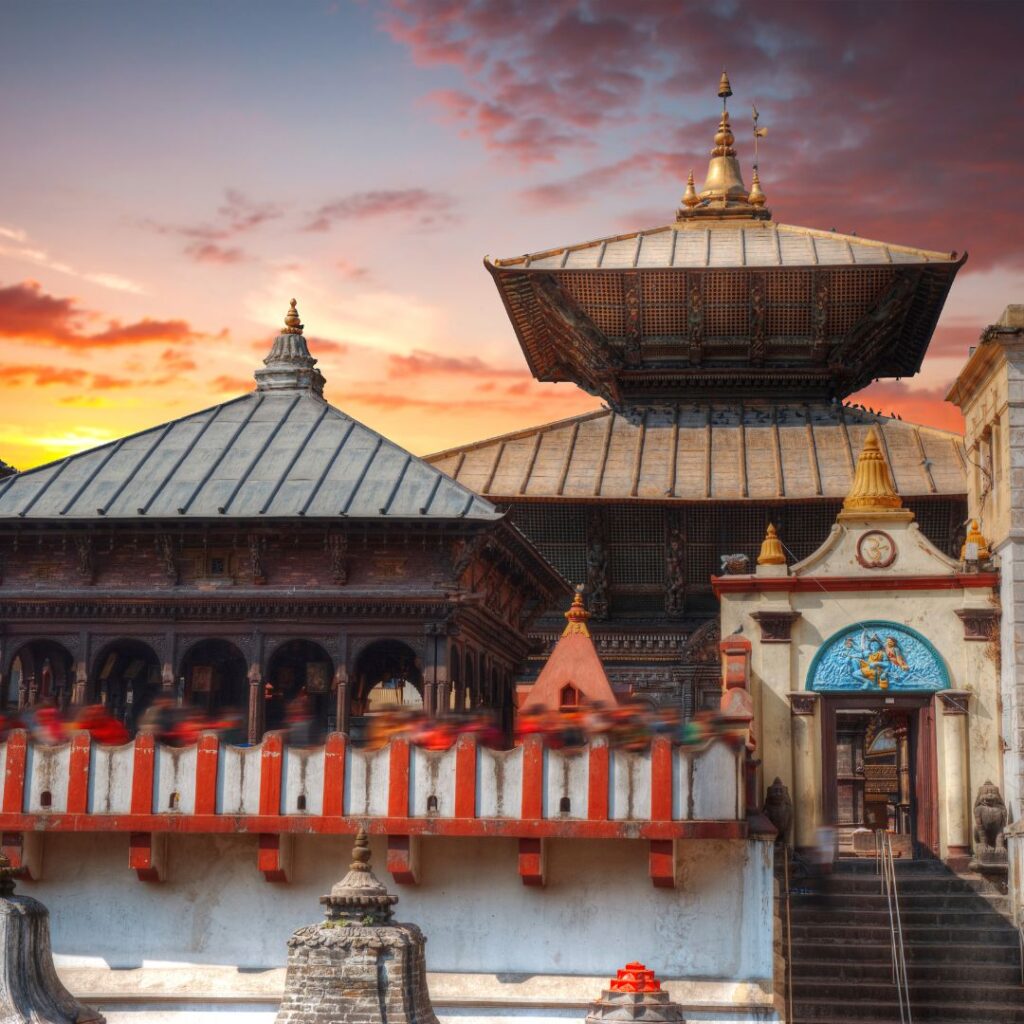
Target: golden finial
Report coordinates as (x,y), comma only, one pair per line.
(690,198)
(975,536)
(771,548)
(724,137)
(291,320)
(724,88)
(577,616)
(756,197)
(873,489)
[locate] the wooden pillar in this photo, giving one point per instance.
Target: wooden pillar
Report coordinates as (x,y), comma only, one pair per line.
(257,705)
(342,703)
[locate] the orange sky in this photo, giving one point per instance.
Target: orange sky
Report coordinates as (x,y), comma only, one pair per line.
(171,193)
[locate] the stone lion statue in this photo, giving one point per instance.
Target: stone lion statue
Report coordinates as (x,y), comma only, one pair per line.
(989,818)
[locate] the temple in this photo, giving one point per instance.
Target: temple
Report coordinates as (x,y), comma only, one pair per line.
(784,586)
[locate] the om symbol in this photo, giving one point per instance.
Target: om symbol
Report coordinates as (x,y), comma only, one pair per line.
(876,550)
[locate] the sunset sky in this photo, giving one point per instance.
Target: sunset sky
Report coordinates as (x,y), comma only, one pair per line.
(173,173)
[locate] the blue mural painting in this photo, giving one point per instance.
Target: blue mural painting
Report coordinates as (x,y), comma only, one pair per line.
(877,656)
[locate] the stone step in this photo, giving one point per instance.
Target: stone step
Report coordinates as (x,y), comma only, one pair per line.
(911,900)
(910,917)
(966,1011)
(880,970)
(835,933)
(935,884)
(808,990)
(808,951)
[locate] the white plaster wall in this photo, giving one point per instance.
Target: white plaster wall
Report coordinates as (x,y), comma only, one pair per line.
(630,773)
(175,772)
(238,780)
(432,773)
(598,910)
(1011,566)
(110,778)
(566,776)
(46,771)
(303,777)
(499,783)
(366,782)
(715,783)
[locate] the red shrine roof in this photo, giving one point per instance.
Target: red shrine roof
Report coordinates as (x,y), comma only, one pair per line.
(573,662)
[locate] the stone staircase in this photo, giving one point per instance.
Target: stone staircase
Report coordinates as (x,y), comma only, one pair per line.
(963,955)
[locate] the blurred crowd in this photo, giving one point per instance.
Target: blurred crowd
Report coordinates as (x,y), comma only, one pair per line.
(629,726)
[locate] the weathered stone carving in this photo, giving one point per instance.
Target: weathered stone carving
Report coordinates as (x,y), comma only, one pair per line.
(776,626)
(30,991)
(778,808)
(358,966)
(735,565)
(989,821)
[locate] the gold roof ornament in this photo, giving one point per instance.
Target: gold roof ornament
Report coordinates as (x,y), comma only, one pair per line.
(756,197)
(690,199)
(724,88)
(975,536)
(771,548)
(873,492)
(291,320)
(577,616)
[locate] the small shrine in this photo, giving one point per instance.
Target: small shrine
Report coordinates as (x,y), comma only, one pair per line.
(357,966)
(635,994)
(872,667)
(573,674)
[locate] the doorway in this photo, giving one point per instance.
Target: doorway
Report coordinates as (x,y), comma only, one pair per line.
(878,765)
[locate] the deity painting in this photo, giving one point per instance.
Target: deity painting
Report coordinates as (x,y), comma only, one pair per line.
(877,656)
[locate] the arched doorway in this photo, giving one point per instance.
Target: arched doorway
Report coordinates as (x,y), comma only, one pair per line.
(299,670)
(125,678)
(216,676)
(389,677)
(700,671)
(45,672)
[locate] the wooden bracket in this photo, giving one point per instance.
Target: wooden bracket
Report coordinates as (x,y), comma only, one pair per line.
(662,860)
(533,861)
(25,852)
(274,857)
(404,859)
(147,855)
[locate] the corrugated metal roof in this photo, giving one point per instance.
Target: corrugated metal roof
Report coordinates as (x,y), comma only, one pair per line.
(723,244)
(272,454)
(706,451)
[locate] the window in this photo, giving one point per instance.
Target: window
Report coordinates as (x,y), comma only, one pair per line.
(569,697)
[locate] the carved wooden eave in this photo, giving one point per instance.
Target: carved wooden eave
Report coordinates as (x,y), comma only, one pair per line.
(750,323)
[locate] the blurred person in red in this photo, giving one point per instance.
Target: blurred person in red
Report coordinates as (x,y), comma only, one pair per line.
(101,725)
(47,726)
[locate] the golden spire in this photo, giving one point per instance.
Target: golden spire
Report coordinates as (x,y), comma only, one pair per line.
(291,320)
(975,536)
(577,616)
(771,548)
(756,197)
(873,489)
(690,199)
(724,88)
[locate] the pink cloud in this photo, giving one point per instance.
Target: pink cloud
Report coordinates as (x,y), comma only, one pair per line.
(424,207)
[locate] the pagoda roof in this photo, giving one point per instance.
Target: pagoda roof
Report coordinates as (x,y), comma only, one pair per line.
(757,451)
(722,244)
(280,452)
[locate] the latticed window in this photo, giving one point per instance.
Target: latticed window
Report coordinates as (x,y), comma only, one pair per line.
(636,547)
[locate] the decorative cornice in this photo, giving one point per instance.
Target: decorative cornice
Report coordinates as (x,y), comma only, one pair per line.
(980,623)
(954,702)
(776,627)
(803,702)
(798,584)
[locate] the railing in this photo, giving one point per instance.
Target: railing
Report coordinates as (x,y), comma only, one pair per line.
(885,867)
(789,931)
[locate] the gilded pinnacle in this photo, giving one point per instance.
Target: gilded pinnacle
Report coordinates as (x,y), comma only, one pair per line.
(873,490)
(577,616)
(771,548)
(724,88)
(756,197)
(975,536)
(292,324)
(690,199)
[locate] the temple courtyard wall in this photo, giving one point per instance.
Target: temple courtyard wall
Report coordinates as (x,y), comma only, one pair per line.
(210,941)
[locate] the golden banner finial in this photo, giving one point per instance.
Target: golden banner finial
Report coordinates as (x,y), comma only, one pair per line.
(577,616)
(771,548)
(292,324)
(873,489)
(724,88)
(690,198)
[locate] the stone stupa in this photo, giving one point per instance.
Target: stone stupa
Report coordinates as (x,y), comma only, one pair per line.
(30,991)
(357,966)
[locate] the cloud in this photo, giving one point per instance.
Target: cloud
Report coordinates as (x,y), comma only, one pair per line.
(925,406)
(349,271)
(418,363)
(226,384)
(237,215)
(427,209)
(27,312)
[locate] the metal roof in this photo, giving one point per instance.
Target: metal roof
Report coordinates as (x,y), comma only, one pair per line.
(271,454)
(723,244)
(706,451)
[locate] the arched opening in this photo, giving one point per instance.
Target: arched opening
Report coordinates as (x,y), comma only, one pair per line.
(700,674)
(299,675)
(469,681)
(125,679)
(569,698)
(389,677)
(45,674)
(216,676)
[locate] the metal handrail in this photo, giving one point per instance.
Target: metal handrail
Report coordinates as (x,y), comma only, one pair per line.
(789,934)
(885,867)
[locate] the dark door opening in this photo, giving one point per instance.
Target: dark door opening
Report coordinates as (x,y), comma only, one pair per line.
(878,771)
